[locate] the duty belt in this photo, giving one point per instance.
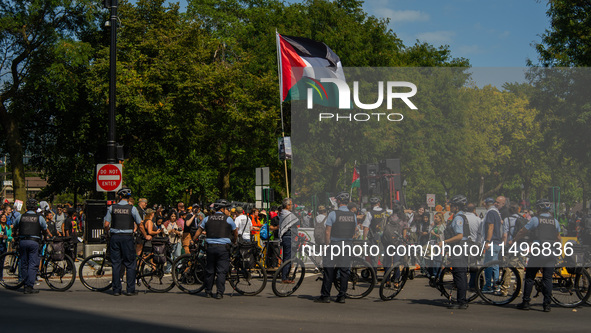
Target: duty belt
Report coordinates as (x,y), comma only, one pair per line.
(31,238)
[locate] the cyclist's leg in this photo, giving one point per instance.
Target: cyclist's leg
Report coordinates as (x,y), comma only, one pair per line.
(547,284)
(328,276)
(343,265)
(210,266)
(128,258)
(116,261)
(530,275)
(461,282)
(222,267)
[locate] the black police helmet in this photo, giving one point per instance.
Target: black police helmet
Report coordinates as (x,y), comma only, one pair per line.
(124,192)
(31,204)
(374,200)
(221,203)
(458,200)
(343,197)
(544,204)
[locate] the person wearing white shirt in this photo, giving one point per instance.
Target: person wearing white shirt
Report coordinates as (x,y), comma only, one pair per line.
(243,224)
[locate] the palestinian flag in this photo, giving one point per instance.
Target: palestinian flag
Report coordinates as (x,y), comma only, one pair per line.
(355,181)
(302,63)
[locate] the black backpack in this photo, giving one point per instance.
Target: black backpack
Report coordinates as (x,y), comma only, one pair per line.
(392,233)
(159,250)
(247,254)
(520,222)
(58,250)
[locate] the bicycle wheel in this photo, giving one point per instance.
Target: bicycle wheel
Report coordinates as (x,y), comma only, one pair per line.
(362,279)
(567,287)
(248,281)
(392,283)
(9,274)
(59,274)
(506,287)
(588,301)
(448,288)
(96,273)
(285,286)
(188,273)
(155,277)
(583,284)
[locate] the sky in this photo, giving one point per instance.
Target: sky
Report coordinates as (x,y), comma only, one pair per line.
(491,33)
(496,33)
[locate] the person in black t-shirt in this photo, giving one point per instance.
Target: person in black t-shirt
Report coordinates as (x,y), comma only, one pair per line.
(51,226)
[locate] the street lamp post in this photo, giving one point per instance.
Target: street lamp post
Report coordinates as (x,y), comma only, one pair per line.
(111,144)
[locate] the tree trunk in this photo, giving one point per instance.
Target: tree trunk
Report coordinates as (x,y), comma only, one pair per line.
(15,150)
(224,179)
(481,190)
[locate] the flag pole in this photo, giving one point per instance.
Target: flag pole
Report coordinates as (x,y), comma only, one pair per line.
(354,170)
(279,66)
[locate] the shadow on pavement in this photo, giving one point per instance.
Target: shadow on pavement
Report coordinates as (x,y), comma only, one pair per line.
(19,313)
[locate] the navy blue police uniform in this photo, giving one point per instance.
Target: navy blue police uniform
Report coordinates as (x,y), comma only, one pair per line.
(343,223)
(121,217)
(218,228)
(546,230)
(30,227)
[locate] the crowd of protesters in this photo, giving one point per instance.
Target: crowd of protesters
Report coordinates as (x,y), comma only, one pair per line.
(181,222)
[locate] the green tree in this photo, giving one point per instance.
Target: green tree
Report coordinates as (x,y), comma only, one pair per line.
(31,35)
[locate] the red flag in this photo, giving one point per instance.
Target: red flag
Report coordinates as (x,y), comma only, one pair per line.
(355,182)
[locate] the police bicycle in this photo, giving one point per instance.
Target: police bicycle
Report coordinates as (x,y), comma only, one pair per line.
(247,276)
(570,284)
(96,271)
(57,269)
(440,278)
(362,277)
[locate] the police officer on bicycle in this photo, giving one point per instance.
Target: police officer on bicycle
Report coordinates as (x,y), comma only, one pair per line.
(456,234)
(340,229)
(28,229)
(220,232)
(119,222)
(546,229)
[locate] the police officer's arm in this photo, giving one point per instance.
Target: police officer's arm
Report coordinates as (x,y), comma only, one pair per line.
(455,238)
(327,233)
(44,226)
(197,234)
(106,223)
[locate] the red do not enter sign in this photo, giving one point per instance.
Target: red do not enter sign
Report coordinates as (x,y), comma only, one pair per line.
(109,177)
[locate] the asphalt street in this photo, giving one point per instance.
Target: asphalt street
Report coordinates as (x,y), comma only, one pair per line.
(418,308)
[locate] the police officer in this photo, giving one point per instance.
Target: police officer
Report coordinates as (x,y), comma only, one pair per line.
(456,234)
(340,229)
(119,221)
(374,220)
(220,232)
(29,228)
(546,229)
